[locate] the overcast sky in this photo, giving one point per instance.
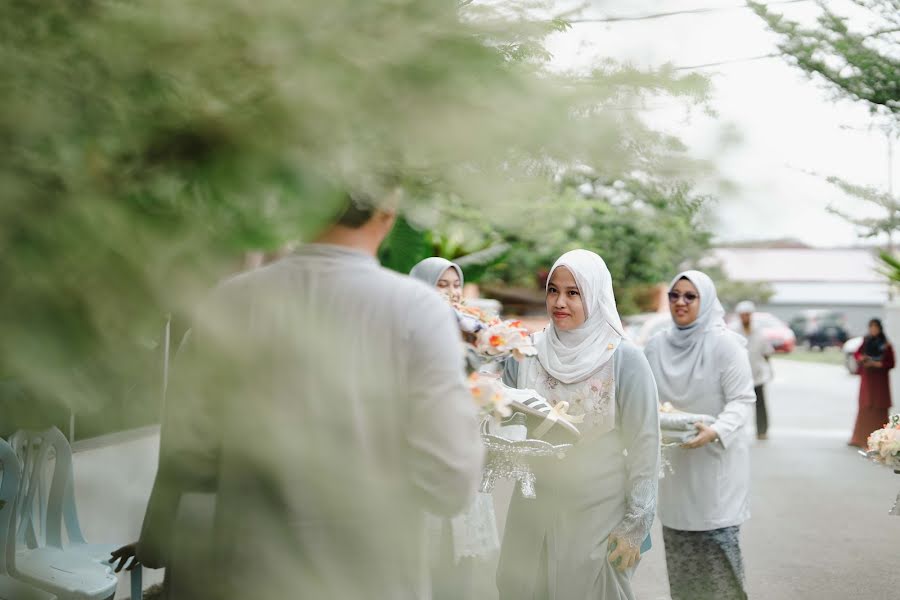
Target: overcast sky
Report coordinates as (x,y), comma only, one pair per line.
(788,124)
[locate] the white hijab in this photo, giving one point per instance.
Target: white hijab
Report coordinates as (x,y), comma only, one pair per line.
(683,351)
(431,269)
(572,356)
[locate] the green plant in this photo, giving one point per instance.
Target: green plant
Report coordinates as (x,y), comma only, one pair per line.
(856,57)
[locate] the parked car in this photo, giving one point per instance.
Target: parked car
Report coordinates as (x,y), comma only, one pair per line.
(640,328)
(774,329)
(820,328)
(849,349)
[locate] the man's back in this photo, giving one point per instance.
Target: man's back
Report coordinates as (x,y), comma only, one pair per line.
(326,404)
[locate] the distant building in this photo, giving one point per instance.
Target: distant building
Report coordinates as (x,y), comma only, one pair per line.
(842,279)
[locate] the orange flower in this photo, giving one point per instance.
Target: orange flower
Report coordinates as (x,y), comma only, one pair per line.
(496,341)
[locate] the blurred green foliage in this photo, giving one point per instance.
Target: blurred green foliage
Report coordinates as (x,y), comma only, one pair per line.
(148,145)
(853,50)
(645,229)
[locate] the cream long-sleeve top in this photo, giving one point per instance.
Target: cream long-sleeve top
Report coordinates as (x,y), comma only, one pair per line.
(759,349)
(323,398)
(709,487)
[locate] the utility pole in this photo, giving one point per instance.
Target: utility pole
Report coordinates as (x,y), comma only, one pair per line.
(890,184)
(892,207)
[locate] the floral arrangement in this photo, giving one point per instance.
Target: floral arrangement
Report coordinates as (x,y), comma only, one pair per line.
(491,337)
(505,338)
(475,313)
(884,444)
(489,395)
(472,319)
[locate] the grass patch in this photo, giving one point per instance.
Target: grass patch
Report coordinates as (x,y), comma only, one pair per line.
(832,356)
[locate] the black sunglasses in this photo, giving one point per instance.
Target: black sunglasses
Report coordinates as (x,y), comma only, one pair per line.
(688,297)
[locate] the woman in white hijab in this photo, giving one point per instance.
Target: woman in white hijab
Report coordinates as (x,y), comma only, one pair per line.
(702,367)
(581,537)
(461,547)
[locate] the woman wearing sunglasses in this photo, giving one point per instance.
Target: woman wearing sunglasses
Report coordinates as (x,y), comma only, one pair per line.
(702,367)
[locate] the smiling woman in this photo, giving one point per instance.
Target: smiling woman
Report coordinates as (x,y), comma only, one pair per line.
(701,367)
(444,275)
(683,302)
(564,300)
(582,536)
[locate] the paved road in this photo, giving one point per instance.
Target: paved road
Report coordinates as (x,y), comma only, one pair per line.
(820,528)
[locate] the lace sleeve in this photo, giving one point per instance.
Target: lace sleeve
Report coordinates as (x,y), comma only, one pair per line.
(636,400)
(639,512)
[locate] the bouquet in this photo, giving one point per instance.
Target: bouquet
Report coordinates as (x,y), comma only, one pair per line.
(505,338)
(489,395)
(884,444)
(471,318)
(492,338)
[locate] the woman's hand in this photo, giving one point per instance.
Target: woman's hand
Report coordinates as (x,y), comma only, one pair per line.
(706,435)
(623,555)
(129,551)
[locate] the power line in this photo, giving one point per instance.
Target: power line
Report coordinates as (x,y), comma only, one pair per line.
(728,62)
(689,11)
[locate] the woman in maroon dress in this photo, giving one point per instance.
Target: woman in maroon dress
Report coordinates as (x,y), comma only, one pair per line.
(875,358)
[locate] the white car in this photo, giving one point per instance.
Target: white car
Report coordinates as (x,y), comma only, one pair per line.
(849,349)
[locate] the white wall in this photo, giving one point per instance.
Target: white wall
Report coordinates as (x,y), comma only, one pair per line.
(892,331)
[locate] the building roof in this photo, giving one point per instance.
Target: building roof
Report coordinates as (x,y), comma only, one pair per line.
(796,265)
(814,294)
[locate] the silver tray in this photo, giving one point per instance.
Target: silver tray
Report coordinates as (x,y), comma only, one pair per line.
(508,459)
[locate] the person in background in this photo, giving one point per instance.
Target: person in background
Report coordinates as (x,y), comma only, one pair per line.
(444,275)
(760,349)
(702,368)
(875,358)
(461,547)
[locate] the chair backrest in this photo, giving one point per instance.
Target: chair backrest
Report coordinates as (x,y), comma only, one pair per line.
(43,510)
(26,527)
(9,487)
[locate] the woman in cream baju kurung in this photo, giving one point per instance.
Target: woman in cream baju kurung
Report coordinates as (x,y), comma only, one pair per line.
(580,538)
(702,367)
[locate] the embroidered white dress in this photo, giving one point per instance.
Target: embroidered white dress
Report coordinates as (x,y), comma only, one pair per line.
(555,546)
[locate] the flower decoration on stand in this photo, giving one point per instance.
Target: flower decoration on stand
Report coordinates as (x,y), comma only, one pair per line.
(884,444)
(884,448)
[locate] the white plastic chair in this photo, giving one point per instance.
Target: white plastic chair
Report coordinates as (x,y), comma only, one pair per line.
(65,513)
(35,553)
(11,589)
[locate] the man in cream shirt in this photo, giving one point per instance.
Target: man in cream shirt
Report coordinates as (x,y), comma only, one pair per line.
(323,399)
(759,349)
